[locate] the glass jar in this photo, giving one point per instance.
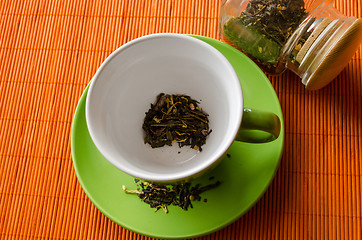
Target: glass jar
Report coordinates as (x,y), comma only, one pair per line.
(311,38)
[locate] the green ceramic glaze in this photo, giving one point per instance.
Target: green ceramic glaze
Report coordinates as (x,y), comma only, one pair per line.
(245,174)
(258,126)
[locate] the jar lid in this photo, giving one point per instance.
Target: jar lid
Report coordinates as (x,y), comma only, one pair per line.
(341,51)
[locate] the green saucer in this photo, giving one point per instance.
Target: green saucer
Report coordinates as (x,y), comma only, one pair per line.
(245,173)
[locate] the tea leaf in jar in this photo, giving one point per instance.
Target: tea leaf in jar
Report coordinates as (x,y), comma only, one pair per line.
(277,18)
(263,29)
(248,38)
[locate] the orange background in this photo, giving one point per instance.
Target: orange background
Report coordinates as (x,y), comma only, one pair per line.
(49,51)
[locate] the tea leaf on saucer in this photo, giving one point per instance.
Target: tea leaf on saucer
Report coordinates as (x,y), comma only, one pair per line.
(160,196)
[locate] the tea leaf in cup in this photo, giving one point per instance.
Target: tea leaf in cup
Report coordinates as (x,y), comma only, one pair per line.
(176,118)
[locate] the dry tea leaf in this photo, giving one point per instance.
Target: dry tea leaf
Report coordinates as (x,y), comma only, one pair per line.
(176,118)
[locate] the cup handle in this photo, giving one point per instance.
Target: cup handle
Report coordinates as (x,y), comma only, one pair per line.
(258,126)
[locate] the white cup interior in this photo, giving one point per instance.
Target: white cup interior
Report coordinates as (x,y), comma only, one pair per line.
(129,81)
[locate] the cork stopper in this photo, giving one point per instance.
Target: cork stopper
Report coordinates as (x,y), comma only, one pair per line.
(334,57)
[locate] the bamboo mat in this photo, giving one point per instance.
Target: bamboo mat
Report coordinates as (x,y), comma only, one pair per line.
(49,51)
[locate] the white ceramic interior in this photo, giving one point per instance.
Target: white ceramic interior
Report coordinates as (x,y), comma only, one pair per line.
(128,82)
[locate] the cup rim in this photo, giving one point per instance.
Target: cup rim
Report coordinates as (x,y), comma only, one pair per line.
(173,177)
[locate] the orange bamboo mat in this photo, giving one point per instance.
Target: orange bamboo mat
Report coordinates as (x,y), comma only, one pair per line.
(49,51)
